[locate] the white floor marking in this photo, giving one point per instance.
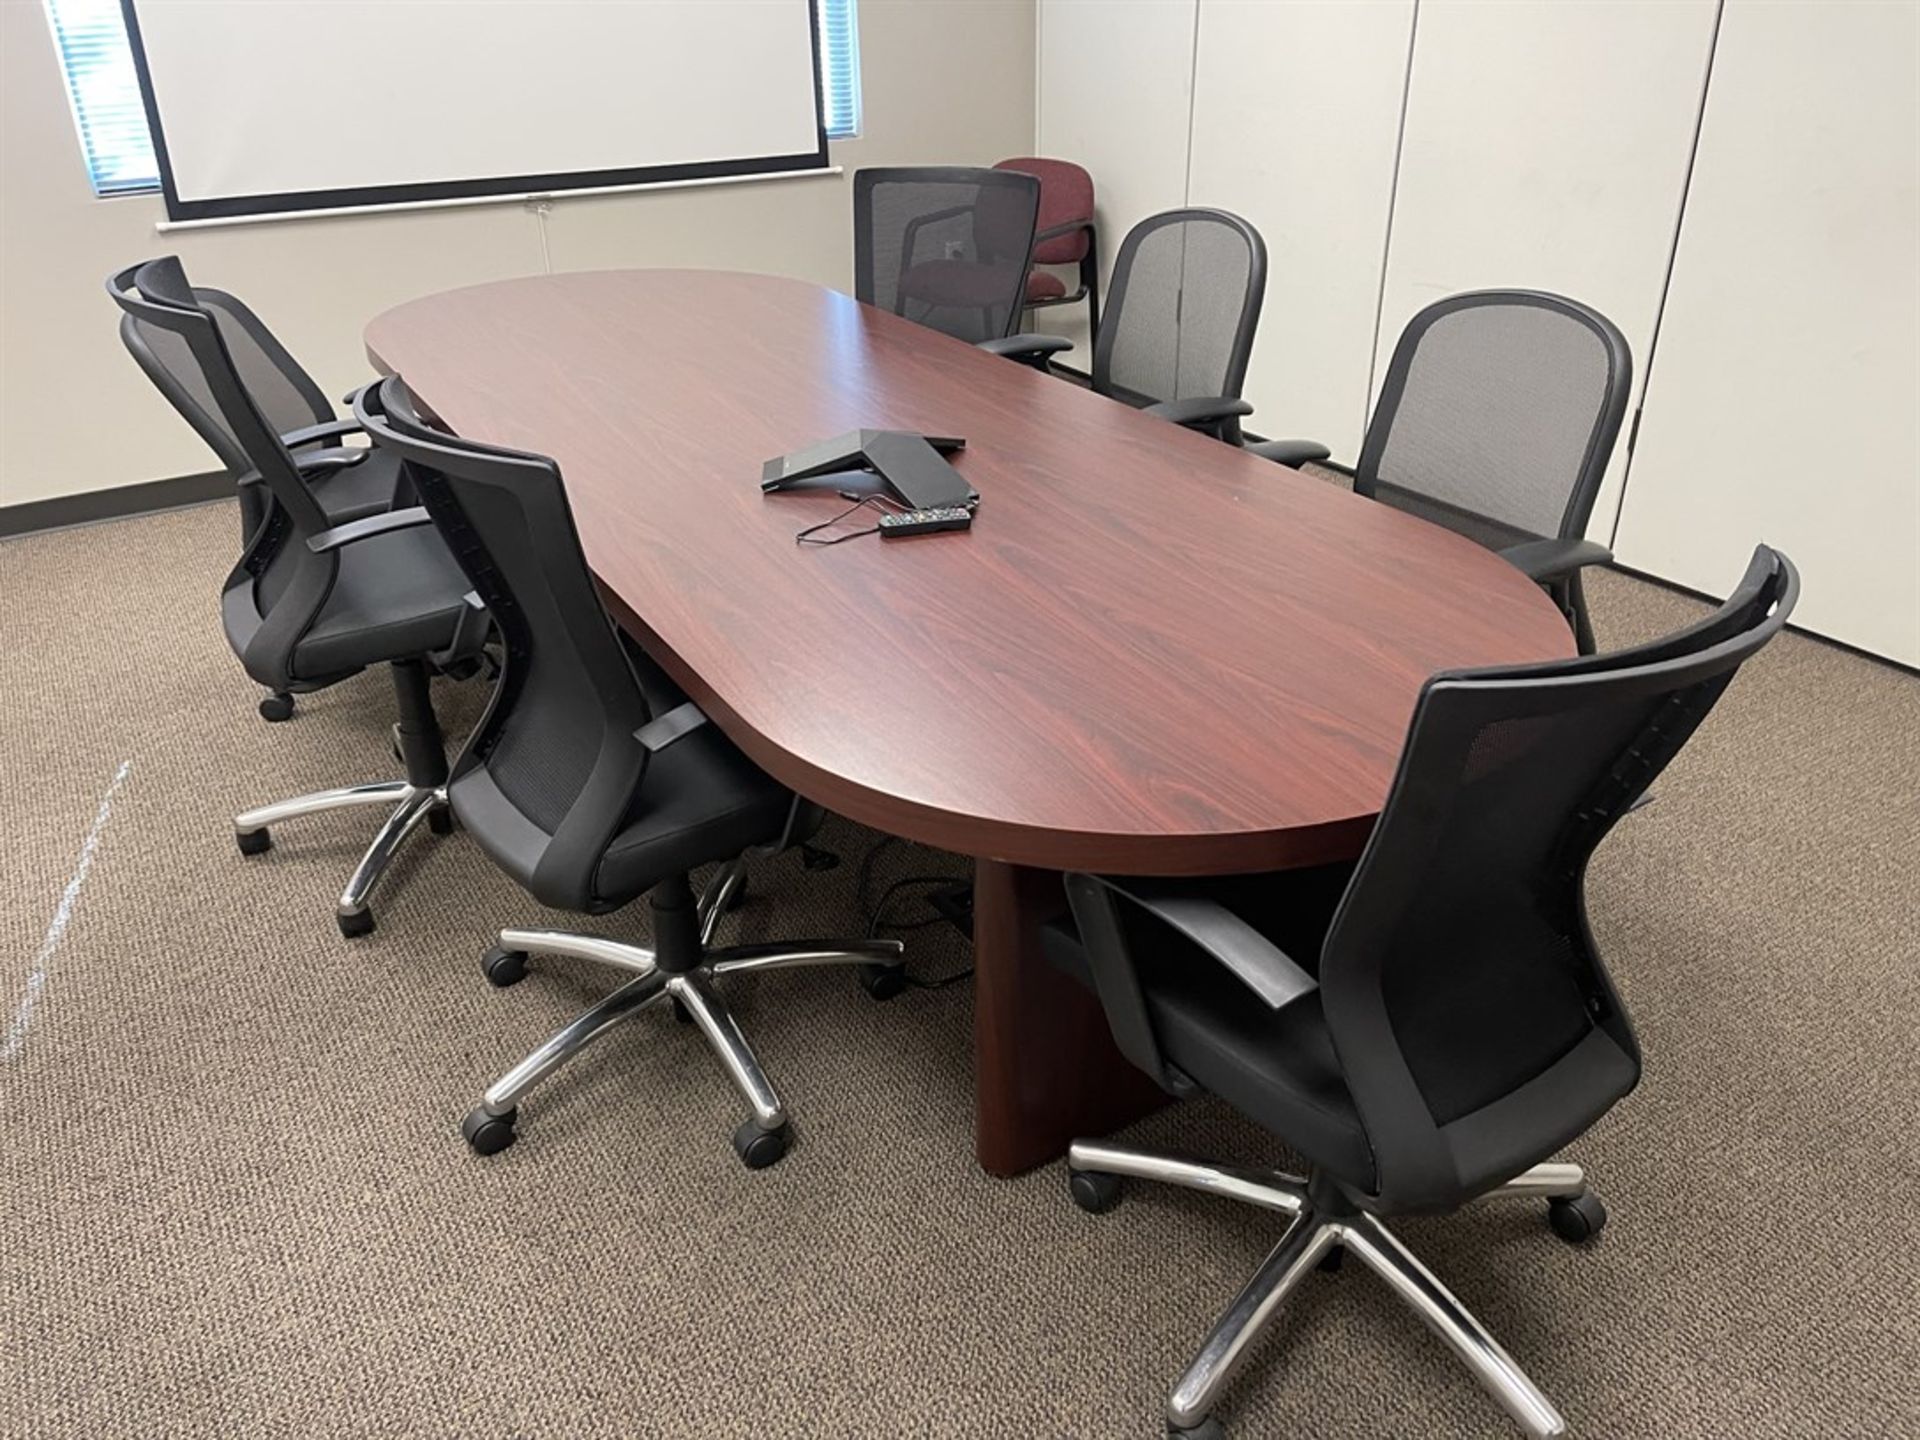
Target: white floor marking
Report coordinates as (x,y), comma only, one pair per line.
(57,927)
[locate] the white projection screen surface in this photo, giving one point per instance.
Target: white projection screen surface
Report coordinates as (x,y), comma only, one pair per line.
(263,106)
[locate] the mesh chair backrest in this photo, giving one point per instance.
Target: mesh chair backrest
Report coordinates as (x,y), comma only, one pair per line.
(1181,308)
(1066,198)
(273,595)
(1459,968)
(947,247)
(283,393)
(557,741)
(168,361)
(1498,415)
(182,343)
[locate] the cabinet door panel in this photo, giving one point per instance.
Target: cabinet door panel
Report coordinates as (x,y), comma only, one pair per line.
(1784,403)
(1546,149)
(1296,114)
(1115,95)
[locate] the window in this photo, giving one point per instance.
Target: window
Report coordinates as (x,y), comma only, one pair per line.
(92,39)
(840,67)
(91,36)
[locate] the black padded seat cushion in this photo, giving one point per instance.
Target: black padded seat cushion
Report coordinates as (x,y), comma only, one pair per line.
(700,797)
(1277,1067)
(396,595)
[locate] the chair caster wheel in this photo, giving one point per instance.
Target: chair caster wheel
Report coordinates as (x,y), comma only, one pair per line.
(759,1148)
(1330,1261)
(277,707)
(354,923)
(440,820)
(680,1011)
(1207,1429)
(812,857)
(883,982)
(253,842)
(1092,1191)
(503,967)
(488,1134)
(1577,1218)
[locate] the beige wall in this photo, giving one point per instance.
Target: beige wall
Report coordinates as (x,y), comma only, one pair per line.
(944,81)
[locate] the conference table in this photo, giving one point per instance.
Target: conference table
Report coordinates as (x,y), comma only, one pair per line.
(1152,653)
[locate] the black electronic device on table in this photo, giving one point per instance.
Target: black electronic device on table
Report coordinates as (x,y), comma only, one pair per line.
(924,522)
(912,466)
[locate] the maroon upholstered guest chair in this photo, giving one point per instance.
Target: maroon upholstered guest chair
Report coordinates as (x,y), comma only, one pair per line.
(1067,236)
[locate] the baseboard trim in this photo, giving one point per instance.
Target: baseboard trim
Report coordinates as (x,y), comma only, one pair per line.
(115,504)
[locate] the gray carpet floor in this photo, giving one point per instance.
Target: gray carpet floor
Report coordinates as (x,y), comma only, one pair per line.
(236,1203)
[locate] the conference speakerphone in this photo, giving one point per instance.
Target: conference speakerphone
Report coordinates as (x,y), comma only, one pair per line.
(912,465)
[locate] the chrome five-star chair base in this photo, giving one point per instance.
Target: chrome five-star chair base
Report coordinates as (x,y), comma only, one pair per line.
(1325,1224)
(421,796)
(682,968)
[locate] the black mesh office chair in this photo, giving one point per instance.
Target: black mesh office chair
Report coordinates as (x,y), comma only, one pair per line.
(346,482)
(313,601)
(1178,323)
(1428,1025)
(1496,419)
(948,247)
(592,780)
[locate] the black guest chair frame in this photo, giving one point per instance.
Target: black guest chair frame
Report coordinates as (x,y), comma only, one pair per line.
(1138,330)
(1056,176)
(1428,1025)
(1443,443)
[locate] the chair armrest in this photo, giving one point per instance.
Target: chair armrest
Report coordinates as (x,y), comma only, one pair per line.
(331,430)
(1545,560)
(1027,349)
(356,530)
(1291,453)
(1251,958)
(1199,411)
(1055,232)
(661,731)
(320,462)
(1247,955)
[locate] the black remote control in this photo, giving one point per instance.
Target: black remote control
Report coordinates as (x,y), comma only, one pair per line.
(924,522)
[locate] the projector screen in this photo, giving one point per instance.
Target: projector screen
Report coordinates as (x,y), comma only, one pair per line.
(261,106)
